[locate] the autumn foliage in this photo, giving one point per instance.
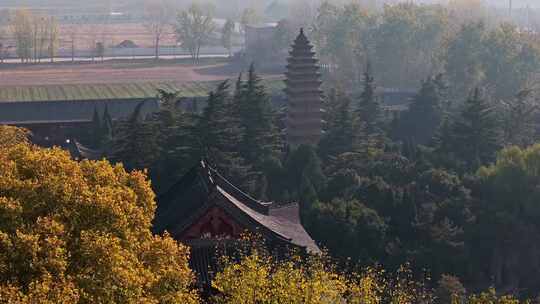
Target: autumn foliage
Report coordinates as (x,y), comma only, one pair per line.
(75,232)
(79,232)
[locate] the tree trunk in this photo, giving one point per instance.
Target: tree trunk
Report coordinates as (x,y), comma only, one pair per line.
(157,47)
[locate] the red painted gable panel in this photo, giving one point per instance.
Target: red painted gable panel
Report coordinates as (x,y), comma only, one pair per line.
(216,223)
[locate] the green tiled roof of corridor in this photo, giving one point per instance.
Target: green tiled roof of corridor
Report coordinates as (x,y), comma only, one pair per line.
(75,92)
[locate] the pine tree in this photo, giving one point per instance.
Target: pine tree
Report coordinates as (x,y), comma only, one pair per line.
(166,118)
(443,89)
(443,138)
(520,120)
(107,128)
(419,123)
(304,175)
(178,144)
(343,132)
(475,133)
(369,107)
(261,139)
(221,135)
(369,112)
(135,142)
(96,131)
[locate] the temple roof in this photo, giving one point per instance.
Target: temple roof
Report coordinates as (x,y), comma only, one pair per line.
(203,188)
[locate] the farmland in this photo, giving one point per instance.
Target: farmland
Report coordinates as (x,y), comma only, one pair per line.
(116,79)
(119,72)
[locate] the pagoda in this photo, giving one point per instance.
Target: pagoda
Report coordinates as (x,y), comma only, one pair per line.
(304,95)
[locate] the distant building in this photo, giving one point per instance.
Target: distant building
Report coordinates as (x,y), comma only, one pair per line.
(259,36)
(260,46)
(54,110)
(204,211)
(304,95)
(57,113)
(55,120)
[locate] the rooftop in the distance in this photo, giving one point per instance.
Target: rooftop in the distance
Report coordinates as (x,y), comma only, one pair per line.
(85,92)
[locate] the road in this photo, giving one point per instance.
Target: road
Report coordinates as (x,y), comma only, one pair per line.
(137,57)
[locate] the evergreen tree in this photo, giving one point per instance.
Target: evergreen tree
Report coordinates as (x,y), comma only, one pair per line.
(96,131)
(304,175)
(419,123)
(443,139)
(343,132)
(177,141)
(475,136)
(166,119)
(520,120)
(107,128)
(464,58)
(369,112)
(261,139)
(135,142)
(221,135)
(443,88)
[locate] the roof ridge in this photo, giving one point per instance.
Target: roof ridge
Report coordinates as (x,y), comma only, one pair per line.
(281,206)
(234,200)
(225,184)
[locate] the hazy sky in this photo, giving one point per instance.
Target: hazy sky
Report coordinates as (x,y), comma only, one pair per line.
(4,3)
(516,3)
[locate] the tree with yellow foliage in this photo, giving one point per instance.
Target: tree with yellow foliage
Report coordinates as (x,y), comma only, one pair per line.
(75,232)
(259,278)
(10,136)
(256,276)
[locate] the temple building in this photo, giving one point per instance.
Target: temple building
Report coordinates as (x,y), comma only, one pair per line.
(304,95)
(204,210)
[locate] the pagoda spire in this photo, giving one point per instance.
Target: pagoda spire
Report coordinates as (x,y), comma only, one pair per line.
(304,94)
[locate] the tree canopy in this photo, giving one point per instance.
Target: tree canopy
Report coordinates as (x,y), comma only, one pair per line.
(75,232)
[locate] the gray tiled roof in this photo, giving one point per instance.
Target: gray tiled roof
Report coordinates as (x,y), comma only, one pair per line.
(283,226)
(203,188)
